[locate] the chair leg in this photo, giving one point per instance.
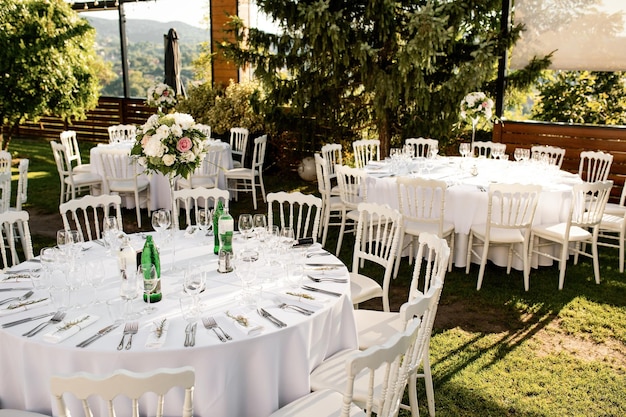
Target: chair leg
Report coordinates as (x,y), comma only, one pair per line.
(262,187)
(621,250)
(341,231)
(413,403)
(428,381)
(596,261)
(451,258)
(326,222)
(469,253)
(563,264)
(483,262)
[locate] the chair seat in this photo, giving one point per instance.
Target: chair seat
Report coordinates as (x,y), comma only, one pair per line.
(236,164)
(128,186)
(82,169)
(376,327)
(415,228)
(323,403)
(205,182)
(615,209)
(557,231)
(239,173)
(19,413)
(363,288)
(84,179)
(498,234)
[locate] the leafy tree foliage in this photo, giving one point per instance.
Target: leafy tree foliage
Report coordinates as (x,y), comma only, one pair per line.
(385,68)
(47,62)
(582,97)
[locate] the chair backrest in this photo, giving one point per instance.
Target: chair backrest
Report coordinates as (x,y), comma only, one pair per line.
(594,166)
(553,154)
(352,186)
(422,200)
(68,139)
(22,184)
(10,221)
(323,179)
(209,169)
(588,202)
(378,234)
(484,149)
(117,166)
(421,147)
(331,153)
(64,167)
(258,155)
(431,264)
(239,142)
(205,129)
(365,151)
(299,211)
(196,199)
(5,179)
(122,133)
(89,223)
(512,206)
(127,384)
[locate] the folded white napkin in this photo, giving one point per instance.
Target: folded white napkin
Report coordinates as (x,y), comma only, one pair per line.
(19,306)
(69,328)
(158,333)
(243,321)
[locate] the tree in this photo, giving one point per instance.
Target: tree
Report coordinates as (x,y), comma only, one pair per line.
(582,97)
(397,67)
(47,63)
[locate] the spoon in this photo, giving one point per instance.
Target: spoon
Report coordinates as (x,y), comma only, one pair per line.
(21,298)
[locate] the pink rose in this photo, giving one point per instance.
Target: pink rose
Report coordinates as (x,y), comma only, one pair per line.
(184,144)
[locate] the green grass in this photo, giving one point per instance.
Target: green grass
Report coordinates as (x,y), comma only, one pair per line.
(499,351)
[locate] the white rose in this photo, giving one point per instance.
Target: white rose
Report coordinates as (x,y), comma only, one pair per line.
(142,160)
(154,147)
(176,131)
(169,159)
(163,131)
(151,123)
(188,156)
(185,121)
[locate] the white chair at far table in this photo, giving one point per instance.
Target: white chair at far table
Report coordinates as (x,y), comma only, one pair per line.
(375,327)
(207,173)
(362,381)
(554,154)
(378,234)
(5,180)
(10,221)
(124,384)
(331,152)
(122,133)
(485,149)
(352,192)
(421,147)
(72,182)
(68,138)
(85,214)
(244,179)
(195,200)
(582,226)
(301,212)
(613,227)
(331,204)
(22,184)
(510,213)
(239,145)
(595,166)
(121,177)
(365,151)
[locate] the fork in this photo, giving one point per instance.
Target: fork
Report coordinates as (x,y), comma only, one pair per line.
(299,309)
(134,327)
(20,298)
(127,330)
(57,318)
(329,279)
(211,324)
(188,334)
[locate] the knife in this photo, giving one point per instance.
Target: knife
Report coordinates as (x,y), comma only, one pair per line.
(323,264)
(98,335)
(13,289)
(274,320)
(306,287)
(26,320)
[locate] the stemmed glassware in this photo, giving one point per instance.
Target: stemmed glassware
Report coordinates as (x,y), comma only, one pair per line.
(110,231)
(245,224)
(243,263)
(464,149)
(161,220)
(129,290)
(287,237)
(259,224)
(205,221)
(148,275)
(194,282)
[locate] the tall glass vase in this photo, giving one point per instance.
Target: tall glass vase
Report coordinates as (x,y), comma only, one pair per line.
(171,177)
(474,123)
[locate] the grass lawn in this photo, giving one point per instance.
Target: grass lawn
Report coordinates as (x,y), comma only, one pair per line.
(499,351)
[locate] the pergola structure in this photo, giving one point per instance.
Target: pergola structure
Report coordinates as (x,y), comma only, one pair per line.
(222,70)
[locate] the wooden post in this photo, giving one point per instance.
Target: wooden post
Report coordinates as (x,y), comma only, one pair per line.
(222,69)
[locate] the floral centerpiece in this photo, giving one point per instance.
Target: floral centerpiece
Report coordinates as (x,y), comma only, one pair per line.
(476,106)
(161,96)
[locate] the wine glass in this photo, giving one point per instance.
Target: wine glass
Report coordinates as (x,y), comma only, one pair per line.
(259,223)
(151,281)
(245,224)
(64,239)
(287,237)
(161,220)
(205,221)
(243,263)
(464,149)
(110,230)
(194,281)
(129,290)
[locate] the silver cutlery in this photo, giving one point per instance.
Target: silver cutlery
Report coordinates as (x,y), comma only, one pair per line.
(20,298)
(57,318)
(328,279)
(13,289)
(193,335)
(133,331)
(22,271)
(314,289)
(188,334)
(299,309)
(98,335)
(128,329)
(25,320)
(326,266)
(211,324)
(16,277)
(276,322)
(311,255)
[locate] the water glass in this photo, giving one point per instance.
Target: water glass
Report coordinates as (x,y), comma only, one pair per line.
(60,297)
(116,308)
(129,290)
(148,275)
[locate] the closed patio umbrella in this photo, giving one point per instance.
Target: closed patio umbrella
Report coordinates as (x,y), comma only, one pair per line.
(172,63)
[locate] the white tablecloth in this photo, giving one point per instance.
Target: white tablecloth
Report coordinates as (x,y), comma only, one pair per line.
(248,376)
(467,200)
(159,184)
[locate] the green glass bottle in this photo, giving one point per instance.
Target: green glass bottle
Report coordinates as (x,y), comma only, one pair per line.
(216,217)
(150,256)
(226,227)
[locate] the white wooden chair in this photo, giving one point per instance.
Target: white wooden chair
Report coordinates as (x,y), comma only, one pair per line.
(122,133)
(352,191)
(72,182)
(554,154)
(361,382)
(68,138)
(7,412)
(207,174)
(239,145)
(299,211)
(245,179)
(5,180)
(124,384)
(22,184)
(331,153)
(121,177)
(365,151)
(378,234)
(331,204)
(10,221)
(196,199)
(595,166)
(85,214)
(484,149)
(421,146)
(510,213)
(582,226)
(375,327)
(613,227)
(422,202)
